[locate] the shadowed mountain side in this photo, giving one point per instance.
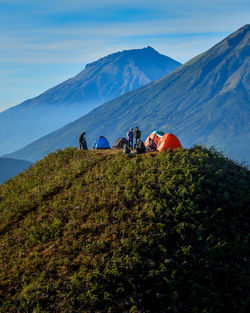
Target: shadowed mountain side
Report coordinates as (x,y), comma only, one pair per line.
(99,82)
(206,100)
(11,167)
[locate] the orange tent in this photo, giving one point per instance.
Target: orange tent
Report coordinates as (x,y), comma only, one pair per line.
(168,142)
(155,136)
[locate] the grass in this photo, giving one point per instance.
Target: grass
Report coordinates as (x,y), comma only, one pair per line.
(91,231)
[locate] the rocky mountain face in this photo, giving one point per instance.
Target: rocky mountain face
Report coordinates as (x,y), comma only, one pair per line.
(206,100)
(99,82)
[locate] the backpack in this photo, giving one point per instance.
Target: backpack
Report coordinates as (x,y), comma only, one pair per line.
(125,149)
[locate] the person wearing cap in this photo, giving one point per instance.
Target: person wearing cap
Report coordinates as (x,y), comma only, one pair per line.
(82,141)
(130,136)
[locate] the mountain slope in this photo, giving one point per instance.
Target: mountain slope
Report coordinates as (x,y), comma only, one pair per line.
(11,167)
(99,82)
(105,232)
(206,100)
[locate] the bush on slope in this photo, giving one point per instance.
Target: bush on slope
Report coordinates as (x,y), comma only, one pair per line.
(103,232)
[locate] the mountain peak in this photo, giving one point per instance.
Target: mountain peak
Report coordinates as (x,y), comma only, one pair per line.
(126,52)
(100,81)
(246,26)
(205,100)
(240,37)
(149,48)
(137,66)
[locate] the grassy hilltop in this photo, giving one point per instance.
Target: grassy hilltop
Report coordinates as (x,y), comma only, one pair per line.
(105,232)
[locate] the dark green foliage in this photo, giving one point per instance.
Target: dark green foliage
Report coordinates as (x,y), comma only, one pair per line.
(91,231)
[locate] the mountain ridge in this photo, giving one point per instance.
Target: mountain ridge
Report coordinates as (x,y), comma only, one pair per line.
(206,101)
(99,82)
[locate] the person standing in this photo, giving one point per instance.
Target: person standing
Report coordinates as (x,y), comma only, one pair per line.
(130,136)
(82,141)
(137,134)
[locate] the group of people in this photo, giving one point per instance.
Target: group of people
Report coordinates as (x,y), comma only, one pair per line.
(138,147)
(131,134)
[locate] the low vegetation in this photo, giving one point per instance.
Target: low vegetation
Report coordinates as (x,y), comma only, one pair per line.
(86,231)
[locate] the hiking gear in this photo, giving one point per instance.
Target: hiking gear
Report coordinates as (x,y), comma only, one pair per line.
(101,143)
(159,133)
(126,150)
(168,142)
(119,143)
(155,136)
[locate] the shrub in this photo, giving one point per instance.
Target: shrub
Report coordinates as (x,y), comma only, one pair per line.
(86,231)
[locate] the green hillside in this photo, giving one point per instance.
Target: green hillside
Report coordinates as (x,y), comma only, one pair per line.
(91,231)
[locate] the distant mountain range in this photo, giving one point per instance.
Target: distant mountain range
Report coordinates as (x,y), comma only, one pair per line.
(11,167)
(99,82)
(207,100)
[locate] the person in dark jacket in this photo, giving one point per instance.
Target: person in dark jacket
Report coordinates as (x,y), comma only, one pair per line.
(82,141)
(139,147)
(137,134)
(152,145)
(130,136)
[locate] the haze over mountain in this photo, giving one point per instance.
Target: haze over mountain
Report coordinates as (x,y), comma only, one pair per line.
(11,167)
(207,100)
(99,82)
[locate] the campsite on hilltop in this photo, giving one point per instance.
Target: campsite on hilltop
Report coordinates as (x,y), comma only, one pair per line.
(100,81)
(124,156)
(204,101)
(99,231)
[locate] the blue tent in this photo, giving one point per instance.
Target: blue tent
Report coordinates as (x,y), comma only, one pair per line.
(101,143)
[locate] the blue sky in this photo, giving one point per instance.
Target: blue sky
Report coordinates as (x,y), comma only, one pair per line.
(46,42)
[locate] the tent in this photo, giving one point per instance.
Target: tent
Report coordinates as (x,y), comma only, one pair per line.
(155,136)
(168,142)
(101,143)
(119,143)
